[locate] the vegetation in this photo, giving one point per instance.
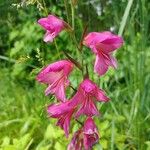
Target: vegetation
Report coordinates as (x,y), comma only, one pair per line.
(124,121)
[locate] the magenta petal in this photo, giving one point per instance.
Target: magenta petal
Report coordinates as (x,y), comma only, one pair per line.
(57,88)
(95,37)
(76,100)
(102,44)
(44,22)
(113,62)
(100,95)
(49,77)
(100,66)
(63,112)
(90,131)
(56,76)
(90,140)
(53,26)
(56,111)
(60,92)
(87,108)
(85,138)
(56,23)
(103,61)
(86,97)
(62,65)
(89,126)
(88,86)
(110,44)
(77,141)
(48,37)
(104,41)
(109,60)
(64,121)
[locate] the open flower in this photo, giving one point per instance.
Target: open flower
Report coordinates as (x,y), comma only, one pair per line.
(56,76)
(88,93)
(85,137)
(53,26)
(103,44)
(91,135)
(63,112)
(77,141)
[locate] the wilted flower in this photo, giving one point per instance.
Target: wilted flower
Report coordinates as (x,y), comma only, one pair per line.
(91,135)
(86,96)
(56,76)
(102,44)
(53,26)
(63,112)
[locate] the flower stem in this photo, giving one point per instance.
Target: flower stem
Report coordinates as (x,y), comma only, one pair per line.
(73,88)
(79,122)
(77,64)
(87,72)
(57,48)
(45,9)
(65,3)
(72,14)
(82,37)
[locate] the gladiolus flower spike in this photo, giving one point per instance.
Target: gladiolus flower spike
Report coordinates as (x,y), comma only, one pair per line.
(83,102)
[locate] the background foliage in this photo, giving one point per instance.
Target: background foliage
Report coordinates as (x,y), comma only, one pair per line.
(124,123)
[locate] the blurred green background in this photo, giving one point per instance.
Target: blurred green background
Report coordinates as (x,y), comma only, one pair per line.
(124,123)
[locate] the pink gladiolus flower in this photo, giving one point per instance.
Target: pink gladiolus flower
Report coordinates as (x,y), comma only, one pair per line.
(85,137)
(102,44)
(56,76)
(63,112)
(86,96)
(77,141)
(53,26)
(90,131)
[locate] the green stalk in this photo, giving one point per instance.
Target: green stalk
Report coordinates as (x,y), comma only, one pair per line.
(57,48)
(72,34)
(112,134)
(65,3)
(125,16)
(45,9)
(72,14)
